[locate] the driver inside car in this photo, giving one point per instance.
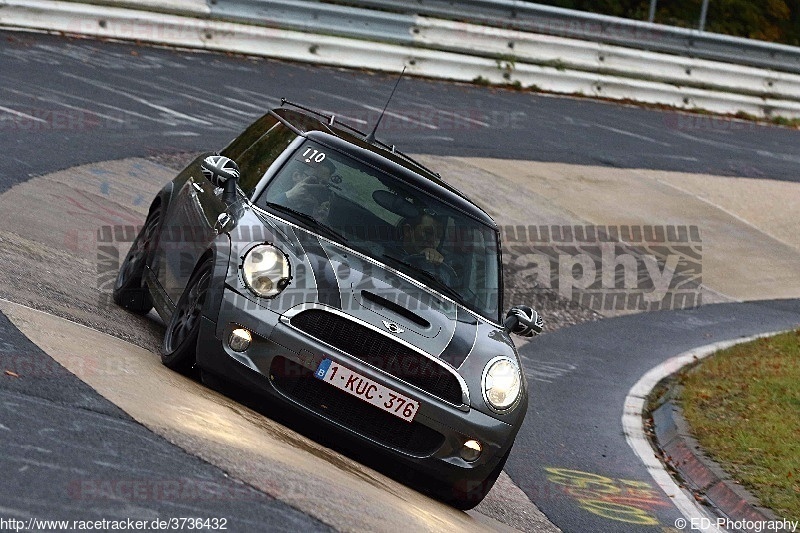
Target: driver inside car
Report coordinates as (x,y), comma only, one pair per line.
(421,236)
(311,181)
(421,246)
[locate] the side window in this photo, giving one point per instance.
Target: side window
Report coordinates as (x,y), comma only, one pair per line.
(255,160)
(255,130)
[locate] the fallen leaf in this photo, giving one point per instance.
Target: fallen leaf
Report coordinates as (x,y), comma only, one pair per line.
(11,373)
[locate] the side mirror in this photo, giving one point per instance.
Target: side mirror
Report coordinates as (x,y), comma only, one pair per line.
(523,321)
(222,172)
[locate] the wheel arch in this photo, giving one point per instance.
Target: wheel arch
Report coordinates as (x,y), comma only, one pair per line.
(219,252)
(162,199)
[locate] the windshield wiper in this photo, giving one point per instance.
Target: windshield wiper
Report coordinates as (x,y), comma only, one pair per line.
(441,286)
(316,224)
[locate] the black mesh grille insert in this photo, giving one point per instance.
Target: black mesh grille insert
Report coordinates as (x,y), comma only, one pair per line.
(381,352)
(299,384)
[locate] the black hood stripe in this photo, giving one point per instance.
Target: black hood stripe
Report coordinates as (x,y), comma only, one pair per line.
(463,339)
(327,284)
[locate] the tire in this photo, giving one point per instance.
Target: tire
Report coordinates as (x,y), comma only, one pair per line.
(464,500)
(130,291)
(180,338)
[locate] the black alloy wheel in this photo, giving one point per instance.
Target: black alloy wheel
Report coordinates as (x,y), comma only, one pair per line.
(180,338)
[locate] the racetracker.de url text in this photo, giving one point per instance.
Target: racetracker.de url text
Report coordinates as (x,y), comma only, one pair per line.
(123,524)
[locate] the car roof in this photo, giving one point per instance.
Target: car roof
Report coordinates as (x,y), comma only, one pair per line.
(352,142)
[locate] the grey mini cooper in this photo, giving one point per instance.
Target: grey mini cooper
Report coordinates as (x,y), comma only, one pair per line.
(313,265)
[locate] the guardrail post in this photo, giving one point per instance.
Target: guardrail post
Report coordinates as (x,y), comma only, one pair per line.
(652,15)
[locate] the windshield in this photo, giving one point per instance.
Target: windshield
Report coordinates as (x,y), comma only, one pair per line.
(390,221)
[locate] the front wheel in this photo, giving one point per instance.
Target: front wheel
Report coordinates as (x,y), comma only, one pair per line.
(180,338)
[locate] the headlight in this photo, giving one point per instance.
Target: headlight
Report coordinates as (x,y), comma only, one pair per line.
(501,383)
(266,270)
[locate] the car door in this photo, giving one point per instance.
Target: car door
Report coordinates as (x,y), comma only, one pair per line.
(189,227)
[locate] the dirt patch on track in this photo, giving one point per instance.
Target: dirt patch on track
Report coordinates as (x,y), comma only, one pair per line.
(52,251)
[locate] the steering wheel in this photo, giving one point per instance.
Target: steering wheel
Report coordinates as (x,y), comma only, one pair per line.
(442,271)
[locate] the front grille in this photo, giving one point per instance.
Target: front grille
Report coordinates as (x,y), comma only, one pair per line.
(381,352)
(299,384)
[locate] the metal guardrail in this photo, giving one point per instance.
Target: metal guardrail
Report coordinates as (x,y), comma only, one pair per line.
(318,18)
(357,37)
(562,53)
(513,32)
(537,18)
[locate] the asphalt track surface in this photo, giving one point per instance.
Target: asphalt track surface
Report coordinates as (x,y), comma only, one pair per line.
(70,101)
(574,415)
(65,102)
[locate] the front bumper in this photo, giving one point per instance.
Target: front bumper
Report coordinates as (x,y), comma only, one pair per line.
(280,363)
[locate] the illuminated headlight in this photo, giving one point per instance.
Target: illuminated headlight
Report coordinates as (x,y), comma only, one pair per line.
(266,270)
(501,383)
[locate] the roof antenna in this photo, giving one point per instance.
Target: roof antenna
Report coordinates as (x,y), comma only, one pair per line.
(371,137)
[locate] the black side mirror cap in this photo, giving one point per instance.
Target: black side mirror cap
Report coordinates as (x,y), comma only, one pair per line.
(222,172)
(523,321)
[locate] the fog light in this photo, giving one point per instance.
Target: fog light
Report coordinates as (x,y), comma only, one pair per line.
(471,450)
(239,340)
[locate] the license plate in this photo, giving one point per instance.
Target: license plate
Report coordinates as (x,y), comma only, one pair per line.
(365,389)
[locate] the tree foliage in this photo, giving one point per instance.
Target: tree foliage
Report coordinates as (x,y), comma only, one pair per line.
(768,20)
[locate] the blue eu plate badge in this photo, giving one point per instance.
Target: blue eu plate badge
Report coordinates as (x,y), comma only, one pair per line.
(323,368)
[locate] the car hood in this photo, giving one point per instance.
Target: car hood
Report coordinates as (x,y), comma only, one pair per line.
(328,275)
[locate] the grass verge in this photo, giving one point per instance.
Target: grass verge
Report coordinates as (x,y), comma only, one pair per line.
(743,405)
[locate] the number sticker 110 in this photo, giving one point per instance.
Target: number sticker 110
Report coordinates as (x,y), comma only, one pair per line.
(316,155)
